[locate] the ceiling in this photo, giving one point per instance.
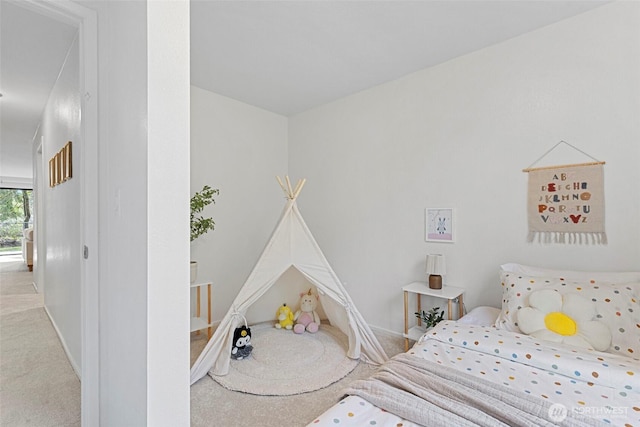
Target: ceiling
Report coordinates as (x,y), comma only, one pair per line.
(32,51)
(290,56)
(282,56)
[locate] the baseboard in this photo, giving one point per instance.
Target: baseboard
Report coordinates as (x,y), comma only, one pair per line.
(72,362)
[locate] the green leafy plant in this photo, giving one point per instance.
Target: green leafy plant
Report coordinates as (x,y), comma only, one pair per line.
(431,318)
(199,201)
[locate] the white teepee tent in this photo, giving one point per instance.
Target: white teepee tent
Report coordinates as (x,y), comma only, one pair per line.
(291,244)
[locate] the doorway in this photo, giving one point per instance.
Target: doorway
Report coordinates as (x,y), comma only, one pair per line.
(86,182)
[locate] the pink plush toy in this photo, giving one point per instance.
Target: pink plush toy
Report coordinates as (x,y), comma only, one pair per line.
(306,318)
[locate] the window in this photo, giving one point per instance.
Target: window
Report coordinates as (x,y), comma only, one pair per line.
(16,207)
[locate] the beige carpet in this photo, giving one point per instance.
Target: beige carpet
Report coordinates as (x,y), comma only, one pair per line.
(37,384)
(213,405)
(284,363)
(39,388)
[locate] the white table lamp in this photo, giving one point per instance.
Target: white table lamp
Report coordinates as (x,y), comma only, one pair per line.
(436,268)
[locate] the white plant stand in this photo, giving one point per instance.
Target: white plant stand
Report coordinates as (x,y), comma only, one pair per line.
(200,322)
(450,293)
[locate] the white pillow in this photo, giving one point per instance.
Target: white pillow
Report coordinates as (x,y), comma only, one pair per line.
(611,277)
(630,277)
(481,316)
(617,305)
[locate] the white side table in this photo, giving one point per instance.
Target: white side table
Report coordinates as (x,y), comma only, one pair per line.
(450,293)
(199,322)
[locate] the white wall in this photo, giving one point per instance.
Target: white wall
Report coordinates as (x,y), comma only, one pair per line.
(458,135)
(168,56)
(238,149)
(143,181)
(60,211)
(143,167)
(122,50)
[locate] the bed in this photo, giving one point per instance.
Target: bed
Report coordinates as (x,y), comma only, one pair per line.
(510,370)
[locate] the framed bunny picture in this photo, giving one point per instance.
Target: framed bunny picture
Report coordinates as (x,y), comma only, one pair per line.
(440,225)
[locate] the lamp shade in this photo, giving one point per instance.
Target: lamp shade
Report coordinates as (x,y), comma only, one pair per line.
(436,264)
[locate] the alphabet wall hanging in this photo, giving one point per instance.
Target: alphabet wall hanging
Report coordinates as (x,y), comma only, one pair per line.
(565,203)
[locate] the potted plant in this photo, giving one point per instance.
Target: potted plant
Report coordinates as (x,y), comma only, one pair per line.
(199,224)
(430,318)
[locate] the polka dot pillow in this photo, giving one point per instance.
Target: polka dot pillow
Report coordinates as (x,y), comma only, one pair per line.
(617,305)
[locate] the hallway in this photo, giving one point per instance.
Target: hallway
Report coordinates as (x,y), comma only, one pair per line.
(38,387)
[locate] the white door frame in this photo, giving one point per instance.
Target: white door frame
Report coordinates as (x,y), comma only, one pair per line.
(86,21)
(39,241)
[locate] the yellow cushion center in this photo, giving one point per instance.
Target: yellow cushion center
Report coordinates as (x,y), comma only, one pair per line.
(560,323)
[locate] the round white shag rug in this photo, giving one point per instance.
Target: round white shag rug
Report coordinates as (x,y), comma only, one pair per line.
(283,363)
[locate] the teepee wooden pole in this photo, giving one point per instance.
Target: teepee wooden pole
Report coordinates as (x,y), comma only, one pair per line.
(299,187)
(289,186)
(290,192)
(282,185)
(295,190)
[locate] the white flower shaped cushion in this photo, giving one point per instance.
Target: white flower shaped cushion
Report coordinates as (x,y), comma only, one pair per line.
(564,319)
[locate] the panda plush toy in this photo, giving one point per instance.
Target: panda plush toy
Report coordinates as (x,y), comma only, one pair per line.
(241,343)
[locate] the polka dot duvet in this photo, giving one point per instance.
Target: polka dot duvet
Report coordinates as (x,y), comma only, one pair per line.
(574,386)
